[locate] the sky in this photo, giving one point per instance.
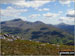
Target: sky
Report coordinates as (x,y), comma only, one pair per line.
(47,11)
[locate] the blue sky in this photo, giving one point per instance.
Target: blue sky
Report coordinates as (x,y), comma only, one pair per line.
(47,11)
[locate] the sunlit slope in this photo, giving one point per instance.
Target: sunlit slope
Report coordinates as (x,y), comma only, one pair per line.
(37,31)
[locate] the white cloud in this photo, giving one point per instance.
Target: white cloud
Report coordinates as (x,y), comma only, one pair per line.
(60,12)
(25,3)
(67,20)
(23,18)
(12,12)
(33,3)
(43,9)
(9,11)
(50,15)
(34,15)
(70,13)
(66,1)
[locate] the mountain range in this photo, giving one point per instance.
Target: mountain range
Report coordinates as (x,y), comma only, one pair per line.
(39,31)
(66,27)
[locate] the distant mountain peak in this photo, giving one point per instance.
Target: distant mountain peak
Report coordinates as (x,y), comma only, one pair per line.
(17,19)
(65,24)
(38,22)
(62,24)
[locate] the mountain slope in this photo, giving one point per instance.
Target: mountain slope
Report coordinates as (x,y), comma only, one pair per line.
(67,28)
(28,47)
(36,31)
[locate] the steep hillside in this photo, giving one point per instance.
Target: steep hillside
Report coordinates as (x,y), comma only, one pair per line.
(66,27)
(16,46)
(36,31)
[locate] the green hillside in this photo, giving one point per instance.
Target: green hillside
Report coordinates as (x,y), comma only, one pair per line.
(25,47)
(15,46)
(37,31)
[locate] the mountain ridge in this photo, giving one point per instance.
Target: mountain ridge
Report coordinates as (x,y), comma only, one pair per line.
(66,27)
(36,31)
